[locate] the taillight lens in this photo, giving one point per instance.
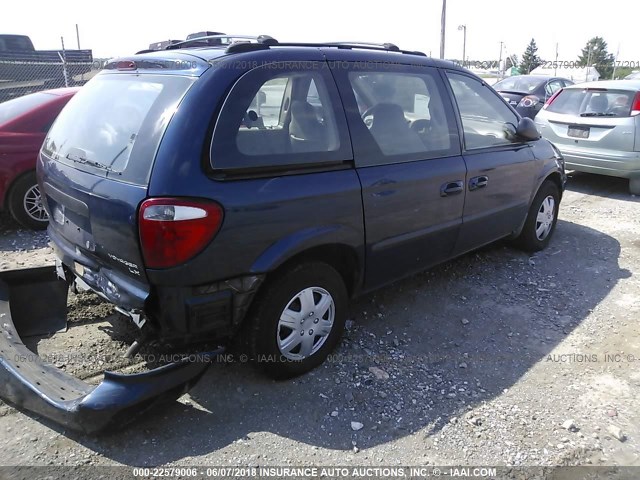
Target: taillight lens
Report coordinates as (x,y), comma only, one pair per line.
(529,101)
(635,106)
(551,99)
(126,65)
(174,230)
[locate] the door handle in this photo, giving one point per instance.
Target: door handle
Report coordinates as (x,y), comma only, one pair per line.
(451,188)
(478,182)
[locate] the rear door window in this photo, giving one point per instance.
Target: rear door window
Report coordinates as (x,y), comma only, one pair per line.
(281,115)
(593,102)
(113,125)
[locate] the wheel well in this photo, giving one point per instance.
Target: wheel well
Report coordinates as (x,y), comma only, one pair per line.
(339,256)
(555,178)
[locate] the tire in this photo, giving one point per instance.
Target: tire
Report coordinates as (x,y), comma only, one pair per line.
(634,186)
(273,344)
(25,203)
(535,235)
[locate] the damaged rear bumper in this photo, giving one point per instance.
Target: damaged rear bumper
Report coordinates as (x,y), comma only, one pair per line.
(36,298)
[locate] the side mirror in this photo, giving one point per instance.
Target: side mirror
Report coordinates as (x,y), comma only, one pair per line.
(527,130)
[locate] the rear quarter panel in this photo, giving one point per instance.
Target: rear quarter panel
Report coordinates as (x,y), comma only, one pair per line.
(18,154)
(267,220)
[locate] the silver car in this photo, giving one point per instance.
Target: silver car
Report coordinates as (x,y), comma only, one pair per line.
(596,126)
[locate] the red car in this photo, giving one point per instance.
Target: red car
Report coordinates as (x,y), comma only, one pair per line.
(24,123)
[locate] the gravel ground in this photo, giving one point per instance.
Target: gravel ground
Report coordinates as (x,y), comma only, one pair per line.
(496,358)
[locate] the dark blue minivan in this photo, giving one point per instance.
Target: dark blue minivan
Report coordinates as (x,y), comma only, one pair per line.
(251,189)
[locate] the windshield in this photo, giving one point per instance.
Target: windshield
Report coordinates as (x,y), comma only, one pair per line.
(103,124)
(593,103)
(17,107)
(518,84)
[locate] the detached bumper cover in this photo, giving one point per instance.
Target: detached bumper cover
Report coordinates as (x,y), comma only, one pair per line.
(29,383)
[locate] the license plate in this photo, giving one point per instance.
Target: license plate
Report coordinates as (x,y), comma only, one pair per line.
(579,132)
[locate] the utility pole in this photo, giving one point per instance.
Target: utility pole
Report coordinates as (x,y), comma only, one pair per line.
(464,42)
(615,63)
(63,59)
(443,22)
(78,36)
(500,60)
(555,64)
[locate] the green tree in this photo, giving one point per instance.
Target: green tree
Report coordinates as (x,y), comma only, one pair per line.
(511,61)
(622,72)
(530,58)
(595,53)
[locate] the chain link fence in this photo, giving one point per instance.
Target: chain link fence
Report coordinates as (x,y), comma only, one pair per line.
(19,78)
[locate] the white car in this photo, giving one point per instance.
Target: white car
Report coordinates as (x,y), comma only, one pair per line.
(596,126)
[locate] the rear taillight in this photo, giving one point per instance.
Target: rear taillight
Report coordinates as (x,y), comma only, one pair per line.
(174,230)
(551,99)
(635,106)
(529,101)
(126,65)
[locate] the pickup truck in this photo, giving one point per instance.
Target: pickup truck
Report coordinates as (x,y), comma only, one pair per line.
(22,66)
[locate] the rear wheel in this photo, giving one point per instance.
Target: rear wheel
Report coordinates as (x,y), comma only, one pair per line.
(25,203)
(297,320)
(541,219)
(634,186)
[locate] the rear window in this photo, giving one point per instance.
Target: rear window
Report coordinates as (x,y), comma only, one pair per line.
(12,109)
(518,84)
(113,125)
(593,103)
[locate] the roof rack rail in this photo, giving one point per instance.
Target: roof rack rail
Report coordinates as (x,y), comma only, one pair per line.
(246,43)
(261,42)
(384,47)
(204,41)
(388,46)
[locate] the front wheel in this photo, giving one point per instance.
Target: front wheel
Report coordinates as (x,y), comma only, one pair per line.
(297,320)
(25,203)
(541,219)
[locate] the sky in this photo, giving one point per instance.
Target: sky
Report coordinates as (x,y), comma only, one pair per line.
(120,27)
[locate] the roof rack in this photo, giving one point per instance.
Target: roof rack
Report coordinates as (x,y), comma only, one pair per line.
(246,43)
(231,39)
(385,47)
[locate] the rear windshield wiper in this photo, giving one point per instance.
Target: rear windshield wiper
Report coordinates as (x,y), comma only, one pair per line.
(86,161)
(598,114)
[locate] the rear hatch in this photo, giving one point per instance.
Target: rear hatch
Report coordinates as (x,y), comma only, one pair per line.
(514,89)
(95,164)
(592,117)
